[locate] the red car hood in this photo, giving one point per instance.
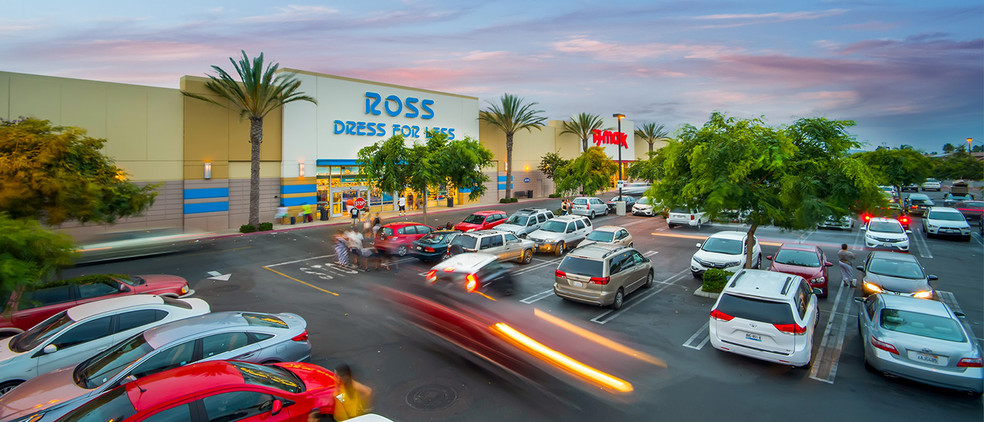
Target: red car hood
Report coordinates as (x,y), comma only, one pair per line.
(467,226)
(160,283)
(805,272)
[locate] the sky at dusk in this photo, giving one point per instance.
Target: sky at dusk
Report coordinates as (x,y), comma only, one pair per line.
(908,72)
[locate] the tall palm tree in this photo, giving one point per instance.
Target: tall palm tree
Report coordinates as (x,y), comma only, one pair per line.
(652,132)
(260,91)
(582,126)
(510,116)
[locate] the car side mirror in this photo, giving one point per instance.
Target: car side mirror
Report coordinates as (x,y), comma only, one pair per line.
(49,349)
(860,267)
(908,231)
(828,264)
(698,245)
(858,299)
(276,407)
(123,288)
(769,257)
(933,277)
(959,314)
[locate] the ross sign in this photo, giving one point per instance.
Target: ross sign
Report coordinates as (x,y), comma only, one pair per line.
(359,203)
(393,106)
(526,180)
(609,137)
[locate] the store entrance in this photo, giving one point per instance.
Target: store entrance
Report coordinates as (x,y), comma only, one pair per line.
(342,197)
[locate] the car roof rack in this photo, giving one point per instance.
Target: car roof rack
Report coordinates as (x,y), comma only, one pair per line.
(785,286)
(734,281)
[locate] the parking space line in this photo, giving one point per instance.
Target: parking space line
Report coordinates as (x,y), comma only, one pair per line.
(530,268)
(612,314)
(633,223)
(700,338)
(824,367)
(302,282)
(921,242)
(296,261)
(650,253)
(950,300)
(539,296)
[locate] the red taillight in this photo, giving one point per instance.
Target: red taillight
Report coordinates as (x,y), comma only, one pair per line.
(691,216)
(559,273)
(884,346)
(449,269)
(867,217)
(721,316)
(904,220)
(428,249)
(970,363)
(301,337)
(431,276)
(471,283)
(794,329)
(600,280)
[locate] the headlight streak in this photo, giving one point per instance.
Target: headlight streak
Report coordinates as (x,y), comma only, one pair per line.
(599,339)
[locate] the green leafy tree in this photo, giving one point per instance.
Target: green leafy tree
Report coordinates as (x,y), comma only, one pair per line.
(587,174)
(511,115)
(792,178)
(29,253)
(583,126)
(549,164)
(54,173)
(460,162)
(259,91)
(948,148)
(652,132)
(977,148)
(898,167)
(959,165)
(650,169)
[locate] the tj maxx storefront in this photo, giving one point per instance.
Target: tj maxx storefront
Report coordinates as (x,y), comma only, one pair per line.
(199,153)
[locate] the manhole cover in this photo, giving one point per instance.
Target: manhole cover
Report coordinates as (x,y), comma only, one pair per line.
(431,397)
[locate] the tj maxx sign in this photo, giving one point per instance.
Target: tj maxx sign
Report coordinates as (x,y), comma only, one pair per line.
(609,137)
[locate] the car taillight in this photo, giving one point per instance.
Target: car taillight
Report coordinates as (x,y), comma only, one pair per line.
(471,283)
(600,280)
(867,217)
(884,346)
(691,216)
(428,249)
(904,220)
(431,276)
(794,329)
(559,273)
(970,363)
(301,337)
(721,316)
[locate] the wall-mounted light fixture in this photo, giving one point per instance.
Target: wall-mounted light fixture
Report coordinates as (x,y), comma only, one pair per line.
(527,168)
(300,169)
(208,171)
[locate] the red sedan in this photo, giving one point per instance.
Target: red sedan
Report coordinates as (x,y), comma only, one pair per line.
(397,237)
(28,307)
(481,220)
(805,261)
(217,390)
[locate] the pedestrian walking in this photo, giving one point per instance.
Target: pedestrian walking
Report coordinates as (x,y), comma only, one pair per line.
(354,212)
(341,249)
(845,259)
(563,207)
(410,202)
(352,398)
(308,214)
(281,214)
(354,241)
(402,203)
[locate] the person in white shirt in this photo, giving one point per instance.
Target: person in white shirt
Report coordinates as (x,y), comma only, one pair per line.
(403,205)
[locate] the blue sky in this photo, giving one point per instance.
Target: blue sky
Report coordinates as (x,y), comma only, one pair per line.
(908,72)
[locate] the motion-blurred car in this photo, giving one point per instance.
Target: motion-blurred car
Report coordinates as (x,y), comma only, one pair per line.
(396,238)
(889,191)
(918,204)
(895,273)
(686,217)
(613,235)
(505,245)
(602,274)
(526,221)
(725,251)
(560,233)
(911,187)
(807,261)
(972,210)
(931,184)
(433,246)
(131,244)
(231,391)
(886,233)
(474,272)
(29,306)
(950,199)
(481,220)
(943,221)
(644,206)
(245,336)
(844,223)
(922,340)
(81,332)
(635,188)
(629,202)
(588,206)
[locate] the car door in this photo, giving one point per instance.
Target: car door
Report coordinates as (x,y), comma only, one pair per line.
(497,246)
(168,358)
(179,413)
(233,345)
(243,405)
(514,246)
(80,342)
(581,229)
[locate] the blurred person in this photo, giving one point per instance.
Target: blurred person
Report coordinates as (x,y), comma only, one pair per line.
(308,213)
(354,241)
(845,259)
(410,202)
(282,213)
(448,226)
(563,207)
(352,398)
(341,249)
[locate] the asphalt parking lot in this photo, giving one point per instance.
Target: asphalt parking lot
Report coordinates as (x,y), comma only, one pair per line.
(415,381)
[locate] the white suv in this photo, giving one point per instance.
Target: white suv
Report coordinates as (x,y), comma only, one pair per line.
(589,206)
(931,184)
(940,221)
(685,217)
(560,233)
(766,315)
(724,250)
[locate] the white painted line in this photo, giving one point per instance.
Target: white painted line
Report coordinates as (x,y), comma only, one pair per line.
(920,241)
(600,319)
(650,253)
(833,338)
(537,297)
(702,333)
(634,222)
(530,268)
(298,260)
(950,300)
(214,273)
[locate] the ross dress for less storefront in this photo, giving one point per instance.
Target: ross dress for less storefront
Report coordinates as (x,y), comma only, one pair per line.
(321,142)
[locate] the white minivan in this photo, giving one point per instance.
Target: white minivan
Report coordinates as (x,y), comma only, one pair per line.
(766,315)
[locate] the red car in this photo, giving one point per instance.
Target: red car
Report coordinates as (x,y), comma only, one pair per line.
(217,391)
(397,237)
(27,307)
(481,220)
(805,261)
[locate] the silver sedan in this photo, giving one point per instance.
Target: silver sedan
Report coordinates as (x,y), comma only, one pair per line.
(252,337)
(918,339)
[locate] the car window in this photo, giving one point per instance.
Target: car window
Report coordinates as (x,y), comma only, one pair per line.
(263,320)
(174,357)
(587,222)
(236,405)
(84,332)
(112,406)
(496,240)
(541,218)
(575,265)
(756,309)
(580,224)
(466,242)
(639,259)
(423,229)
(180,413)
(91,290)
(570,228)
(474,219)
(386,232)
(519,220)
(532,222)
(869,306)
(486,243)
(803,299)
(134,319)
(511,238)
(580,201)
(221,343)
(923,325)
(403,230)
(550,214)
(44,297)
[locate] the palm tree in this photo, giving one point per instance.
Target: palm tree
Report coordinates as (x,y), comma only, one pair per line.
(582,125)
(511,115)
(652,132)
(261,91)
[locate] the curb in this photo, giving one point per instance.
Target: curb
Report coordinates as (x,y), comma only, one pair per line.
(708,295)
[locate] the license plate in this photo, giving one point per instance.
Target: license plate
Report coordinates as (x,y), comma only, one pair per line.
(753,337)
(928,358)
(577,284)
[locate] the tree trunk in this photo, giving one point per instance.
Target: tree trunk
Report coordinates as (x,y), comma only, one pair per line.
(255,139)
(651,145)
(748,245)
(584,144)
(425,205)
(509,164)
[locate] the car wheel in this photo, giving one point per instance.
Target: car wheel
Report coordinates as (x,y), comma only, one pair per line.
(670,226)
(402,250)
(7,386)
(649,280)
(619,298)
(592,215)
(560,248)
(527,256)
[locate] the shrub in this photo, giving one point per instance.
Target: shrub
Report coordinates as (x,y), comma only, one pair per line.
(553,195)
(247,228)
(508,200)
(266,226)
(558,211)
(715,279)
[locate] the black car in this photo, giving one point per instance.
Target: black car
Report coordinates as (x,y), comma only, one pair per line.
(434,246)
(629,202)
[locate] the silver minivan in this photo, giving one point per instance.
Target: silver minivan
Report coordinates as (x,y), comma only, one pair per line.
(602,274)
(589,206)
(561,233)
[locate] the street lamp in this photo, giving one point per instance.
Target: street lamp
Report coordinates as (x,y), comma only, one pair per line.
(619,116)
(968,144)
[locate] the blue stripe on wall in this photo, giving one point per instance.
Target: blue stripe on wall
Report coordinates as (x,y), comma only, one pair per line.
(293,202)
(206,193)
(285,189)
(206,207)
(330,162)
(502,186)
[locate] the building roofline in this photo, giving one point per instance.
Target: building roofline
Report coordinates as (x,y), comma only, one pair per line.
(364,81)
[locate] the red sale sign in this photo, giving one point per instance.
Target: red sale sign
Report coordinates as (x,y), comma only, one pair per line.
(609,137)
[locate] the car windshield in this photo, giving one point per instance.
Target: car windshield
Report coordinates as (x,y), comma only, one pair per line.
(554,227)
(588,267)
(644,200)
(113,406)
(896,268)
(474,219)
(270,376)
(104,366)
(601,236)
(720,245)
(466,242)
(519,220)
(797,257)
(40,333)
(681,211)
(436,238)
(945,216)
(580,201)
(923,325)
(756,309)
(885,227)
(931,180)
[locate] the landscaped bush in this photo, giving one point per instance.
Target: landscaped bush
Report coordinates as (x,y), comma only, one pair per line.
(247,228)
(715,279)
(508,200)
(266,226)
(553,195)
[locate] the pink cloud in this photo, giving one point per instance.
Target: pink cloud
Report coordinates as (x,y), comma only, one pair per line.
(633,52)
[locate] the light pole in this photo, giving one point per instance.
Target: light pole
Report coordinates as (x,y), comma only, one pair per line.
(619,116)
(969,140)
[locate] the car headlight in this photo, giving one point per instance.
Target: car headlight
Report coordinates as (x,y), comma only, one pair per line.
(873,287)
(732,264)
(931,226)
(184,289)
(700,261)
(820,279)
(924,294)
